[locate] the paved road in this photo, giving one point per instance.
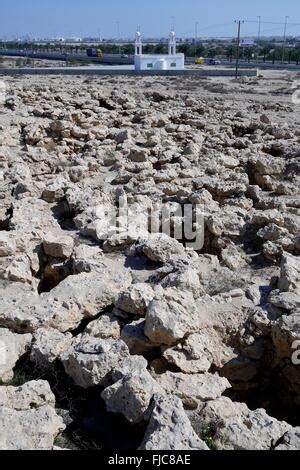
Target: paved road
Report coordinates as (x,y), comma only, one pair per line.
(116,59)
(109,59)
(259,65)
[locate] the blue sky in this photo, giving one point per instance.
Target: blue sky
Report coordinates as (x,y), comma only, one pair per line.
(93,17)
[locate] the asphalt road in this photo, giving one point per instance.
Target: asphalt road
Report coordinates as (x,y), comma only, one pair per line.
(116,59)
(259,65)
(110,59)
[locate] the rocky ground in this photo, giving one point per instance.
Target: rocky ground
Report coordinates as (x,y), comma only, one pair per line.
(141,341)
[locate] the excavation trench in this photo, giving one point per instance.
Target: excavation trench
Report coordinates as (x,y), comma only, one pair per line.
(269,388)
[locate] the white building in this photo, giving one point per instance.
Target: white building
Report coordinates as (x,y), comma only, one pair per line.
(170,61)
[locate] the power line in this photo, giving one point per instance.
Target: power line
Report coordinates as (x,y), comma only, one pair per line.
(271,22)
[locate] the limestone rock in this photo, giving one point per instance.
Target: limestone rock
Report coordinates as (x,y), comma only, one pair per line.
(172,318)
(77,297)
(107,326)
(12,348)
(193,389)
(290,273)
(232,258)
(199,352)
(87,259)
(32,214)
(169,427)
(284,332)
(136,299)
(160,247)
(238,428)
(185,280)
(132,365)
(58,245)
(89,360)
(290,441)
(133,335)
(48,344)
(28,420)
(285,300)
(131,395)
(7,244)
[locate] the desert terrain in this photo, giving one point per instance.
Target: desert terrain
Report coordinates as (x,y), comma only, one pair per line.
(140,339)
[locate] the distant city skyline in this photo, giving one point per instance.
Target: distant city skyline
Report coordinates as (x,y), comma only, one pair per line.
(120,18)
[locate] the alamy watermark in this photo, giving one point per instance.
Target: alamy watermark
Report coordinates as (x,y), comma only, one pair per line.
(182,222)
(296,94)
(2,92)
(296,353)
(3,354)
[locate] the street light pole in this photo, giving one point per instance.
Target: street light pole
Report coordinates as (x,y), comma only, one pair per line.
(196,37)
(259,28)
(258,35)
(284,38)
(239,22)
(118,28)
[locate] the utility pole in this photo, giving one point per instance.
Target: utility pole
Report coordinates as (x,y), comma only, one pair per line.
(284,38)
(259,29)
(258,35)
(118,28)
(196,37)
(238,45)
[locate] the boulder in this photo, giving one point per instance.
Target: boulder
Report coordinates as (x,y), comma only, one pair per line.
(131,395)
(233,258)
(133,335)
(7,244)
(160,248)
(169,427)
(12,348)
(105,327)
(28,420)
(58,245)
(185,280)
(290,441)
(284,332)
(90,360)
(193,389)
(238,428)
(136,299)
(172,318)
(17,269)
(285,300)
(289,273)
(32,214)
(48,344)
(199,352)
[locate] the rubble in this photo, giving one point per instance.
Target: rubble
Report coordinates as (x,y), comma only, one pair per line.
(28,418)
(189,344)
